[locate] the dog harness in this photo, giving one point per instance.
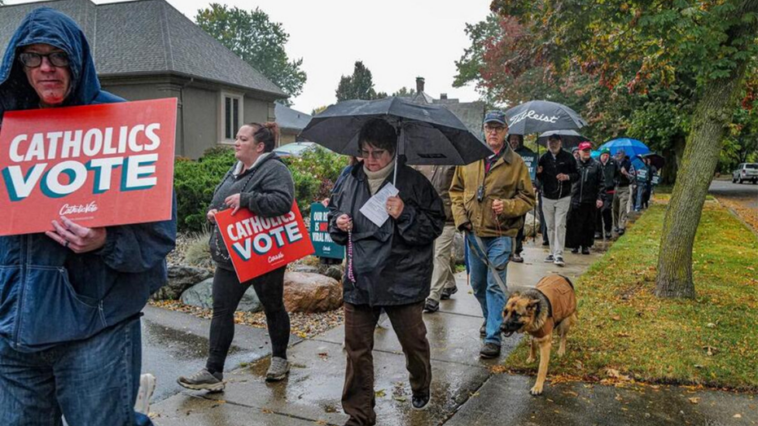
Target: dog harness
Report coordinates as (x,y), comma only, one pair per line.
(561,301)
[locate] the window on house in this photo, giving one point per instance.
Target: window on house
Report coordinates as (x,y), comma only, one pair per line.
(231,116)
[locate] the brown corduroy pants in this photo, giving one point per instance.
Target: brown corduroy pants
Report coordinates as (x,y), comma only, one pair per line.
(360,321)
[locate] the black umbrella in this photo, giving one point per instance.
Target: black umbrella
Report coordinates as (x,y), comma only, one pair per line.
(655,159)
(428,134)
(542,116)
(570,138)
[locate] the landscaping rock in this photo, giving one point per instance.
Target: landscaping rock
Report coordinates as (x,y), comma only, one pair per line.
(180,278)
(305,292)
(308,269)
(530,225)
(332,271)
(201,296)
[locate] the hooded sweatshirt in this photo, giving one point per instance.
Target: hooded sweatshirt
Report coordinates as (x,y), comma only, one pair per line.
(50,295)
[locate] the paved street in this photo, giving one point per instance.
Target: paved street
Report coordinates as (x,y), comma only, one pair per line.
(746,191)
(465,392)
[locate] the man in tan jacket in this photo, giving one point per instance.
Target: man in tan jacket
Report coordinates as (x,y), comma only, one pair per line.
(490,198)
(443,281)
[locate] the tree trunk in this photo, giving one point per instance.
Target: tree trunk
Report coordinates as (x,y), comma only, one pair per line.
(673,156)
(711,117)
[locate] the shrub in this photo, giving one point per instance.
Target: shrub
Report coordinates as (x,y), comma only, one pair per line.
(198,251)
(194,182)
(314,175)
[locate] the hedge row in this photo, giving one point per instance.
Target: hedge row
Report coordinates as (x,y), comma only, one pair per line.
(314,175)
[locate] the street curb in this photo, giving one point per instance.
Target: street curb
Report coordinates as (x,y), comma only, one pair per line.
(737,215)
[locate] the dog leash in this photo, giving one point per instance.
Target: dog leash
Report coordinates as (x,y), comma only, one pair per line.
(486,261)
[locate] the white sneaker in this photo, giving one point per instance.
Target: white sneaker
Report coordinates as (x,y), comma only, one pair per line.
(146,389)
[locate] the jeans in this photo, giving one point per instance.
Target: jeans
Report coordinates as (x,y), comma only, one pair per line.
(91,382)
(227,293)
(487,291)
(641,188)
(556,214)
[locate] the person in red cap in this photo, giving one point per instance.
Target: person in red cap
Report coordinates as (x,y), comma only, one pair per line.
(587,195)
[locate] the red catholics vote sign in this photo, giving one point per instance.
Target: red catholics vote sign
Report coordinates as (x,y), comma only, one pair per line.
(258,245)
(98,165)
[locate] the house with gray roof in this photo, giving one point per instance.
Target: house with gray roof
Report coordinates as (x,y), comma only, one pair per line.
(146,49)
(470,113)
(291,122)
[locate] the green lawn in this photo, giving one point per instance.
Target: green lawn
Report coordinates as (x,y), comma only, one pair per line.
(625,330)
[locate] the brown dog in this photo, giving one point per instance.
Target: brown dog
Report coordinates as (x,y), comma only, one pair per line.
(538,311)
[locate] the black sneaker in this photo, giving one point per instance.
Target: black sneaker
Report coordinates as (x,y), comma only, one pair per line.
(431,306)
(585,250)
(483,329)
(549,259)
(202,380)
(621,232)
(420,402)
(575,250)
(559,261)
(489,350)
(517,258)
(447,292)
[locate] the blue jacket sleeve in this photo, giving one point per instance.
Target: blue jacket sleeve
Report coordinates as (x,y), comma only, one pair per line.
(139,247)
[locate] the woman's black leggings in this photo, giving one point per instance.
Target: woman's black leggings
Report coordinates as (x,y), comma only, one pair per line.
(227,293)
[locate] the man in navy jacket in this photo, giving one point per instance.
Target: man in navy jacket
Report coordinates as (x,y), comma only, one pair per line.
(70,299)
(556,171)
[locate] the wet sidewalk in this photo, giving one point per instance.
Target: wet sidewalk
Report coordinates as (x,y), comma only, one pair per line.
(464,391)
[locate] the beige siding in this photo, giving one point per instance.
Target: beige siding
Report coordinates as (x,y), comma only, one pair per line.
(198,127)
(200,121)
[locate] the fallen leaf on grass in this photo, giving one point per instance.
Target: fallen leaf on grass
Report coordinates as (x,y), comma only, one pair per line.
(694,400)
(737,416)
(498,369)
(616,318)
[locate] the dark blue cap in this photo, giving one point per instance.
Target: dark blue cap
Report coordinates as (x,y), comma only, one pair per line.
(495,116)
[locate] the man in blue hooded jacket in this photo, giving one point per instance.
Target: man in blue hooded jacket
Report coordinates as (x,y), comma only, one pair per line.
(70,299)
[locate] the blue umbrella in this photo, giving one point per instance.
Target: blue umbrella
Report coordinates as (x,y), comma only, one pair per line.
(595,154)
(632,147)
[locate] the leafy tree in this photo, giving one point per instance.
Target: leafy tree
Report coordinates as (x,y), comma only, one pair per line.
(648,46)
(404,92)
(359,85)
(258,41)
(318,110)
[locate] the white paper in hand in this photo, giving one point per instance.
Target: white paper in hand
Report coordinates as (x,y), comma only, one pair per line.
(375,208)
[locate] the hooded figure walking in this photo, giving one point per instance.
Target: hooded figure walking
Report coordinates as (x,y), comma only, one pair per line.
(70,299)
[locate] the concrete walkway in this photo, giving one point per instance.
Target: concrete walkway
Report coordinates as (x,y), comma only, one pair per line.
(464,391)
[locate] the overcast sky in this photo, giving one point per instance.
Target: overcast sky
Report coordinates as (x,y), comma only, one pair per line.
(397,40)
